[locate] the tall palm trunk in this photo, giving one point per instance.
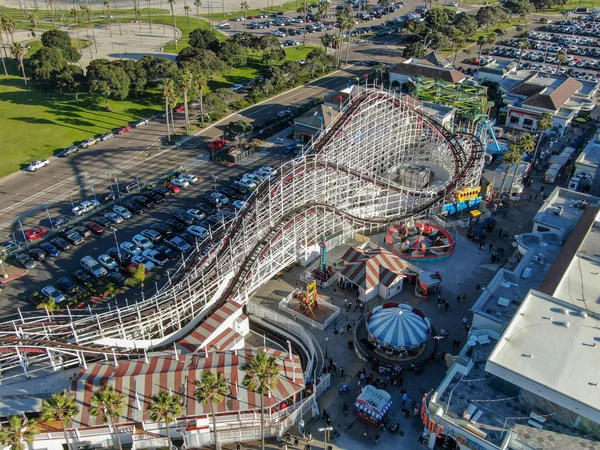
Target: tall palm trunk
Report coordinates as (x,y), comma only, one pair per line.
(537,146)
(214,419)
(4,66)
(169,435)
(23,70)
(262,422)
(118,21)
(167,117)
(347,47)
(201,106)
(185,105)
(149,18)
(66,436)
(112,424)
(174,26)
(504,179)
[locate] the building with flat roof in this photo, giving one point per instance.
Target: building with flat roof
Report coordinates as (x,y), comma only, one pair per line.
(496,71)
(527,95)
(588,160)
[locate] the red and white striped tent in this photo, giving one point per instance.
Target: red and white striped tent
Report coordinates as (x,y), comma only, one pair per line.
(140,380)
(370,267)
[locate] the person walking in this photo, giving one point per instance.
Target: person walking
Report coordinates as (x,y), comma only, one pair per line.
(345,409)
(341,372)
(296,441)
(310,436)
(458,299)
(365,434)
(238,446)
(376,438)
(500,233)
(404,397)
(464,298)
(446,306)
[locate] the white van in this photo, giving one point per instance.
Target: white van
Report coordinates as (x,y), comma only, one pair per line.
(92,266)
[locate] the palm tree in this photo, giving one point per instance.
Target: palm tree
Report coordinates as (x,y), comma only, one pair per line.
(201,81)
(198,4)
(9,26)
(165,407)
(107,6)
(18,52)
(186,81)
(34,19)
(149,17)
(513,156)
(523,45)
(561,56)
(4,25)
(385,4)
(75,14)
(60,407)
(262,373)
(481,41)
(490,40)
(187,10)
(212,390)
(18,433)
(245,6)
(118,21)
(109,405)
(172,4)
(90,14)
(2,57)
(544,123)
(168,91)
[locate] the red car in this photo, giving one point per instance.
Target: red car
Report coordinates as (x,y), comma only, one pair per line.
(35,234)
(128,269)
(180,108)
(174,189)
(94,227)
(124,130)
(217,144)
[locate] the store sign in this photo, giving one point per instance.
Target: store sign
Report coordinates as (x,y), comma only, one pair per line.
(464,441)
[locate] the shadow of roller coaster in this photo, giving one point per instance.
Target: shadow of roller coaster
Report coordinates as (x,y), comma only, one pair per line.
(336,186)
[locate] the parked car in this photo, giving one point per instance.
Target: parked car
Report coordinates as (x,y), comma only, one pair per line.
(230,193)
(113,218)
(125,129)
(197,231)
(162,228)
(68,151)
(61,244)
(180,182)
(247,183)
(35,165)
(122,211)
(205,209)
(74,237)
(60,221)
(51,292)
(94,227)
(175,224)
(37,254)
(35,234)
(142,241)
(23,260)
(183,216)
(176,243)
(85,207)
(101,220)
(134,207)
(89,142)
(239,187)
(118,278)
(196,214)
(212,201)
(107,198)
(189,177)
(239,204)
(148,265)
(131,248)
(153,196)
(68,286)
(107,262)
(82,277)
(173,188)
(83,231)
(180,108)
(92,266)
(106,136)
(50,249)
(152,235)
(129,268)
(155,256)
(167,251)
(9,246)
(217,144)
(141,123)
(162,190)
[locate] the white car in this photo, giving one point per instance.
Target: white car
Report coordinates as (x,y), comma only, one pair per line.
(107,136)
(197,231)
(85,207)
(35,165)
(220,197)
(52,292)
(284,113)
(179,182)
(189,177)
(107,262)
(123,212)
(264,174)
(142,242)
(250,176)
(239,204)
(155,257)
(139,259)
(196,214)
(141,123)
(247,183)
(236,87)
(130,248)
(453,4)
(224,26)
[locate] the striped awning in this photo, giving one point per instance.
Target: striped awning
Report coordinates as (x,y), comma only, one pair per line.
(140,380)
(375,402)
(398,327)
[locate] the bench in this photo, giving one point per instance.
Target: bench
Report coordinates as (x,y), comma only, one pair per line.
(537,417)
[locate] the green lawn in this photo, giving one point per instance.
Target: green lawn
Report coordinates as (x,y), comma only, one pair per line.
(290,6)
(33,125)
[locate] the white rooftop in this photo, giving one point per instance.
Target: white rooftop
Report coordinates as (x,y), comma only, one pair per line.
(590,155)
(552,349)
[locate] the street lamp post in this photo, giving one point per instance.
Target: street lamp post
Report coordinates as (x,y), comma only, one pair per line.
(215,178)
(326,430)
(114,230)
(326,341)
(50,219)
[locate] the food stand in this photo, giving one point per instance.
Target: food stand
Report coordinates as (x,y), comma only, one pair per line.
(372,405)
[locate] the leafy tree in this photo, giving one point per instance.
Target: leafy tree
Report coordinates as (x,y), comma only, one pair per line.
(522,46)
(47,63)
(16,434)
(439,18)
(561,56)
(457,38)
(165,407)
(247,40)
(204,39)
(108,80)
(157,68)
(262,373)
(201,60)
(491,15)
(62,40)
(227,95)
(138,77)
(212,389)
(514,155)
(416,50)
(466,24)
(273,55)
(268,42)
(519,7)
(233,54)
(213,104)
(60,407)
(490,40)
(18,52)
(138,276)
(481,42)
(49,304)
(238,130)
(108,405)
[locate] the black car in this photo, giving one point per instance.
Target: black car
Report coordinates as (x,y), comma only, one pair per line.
(143,200)
(61,244)
(154,196)
(107,198)
(153,235)
(228,192)
(68,151)
(68,286)
(167,251)
(134,207)
(82,231)
(162,228)
(119,256)
(60,220)
(37,254)
(183,216)
(130,187)
(25,261)
(212,201)
(73,237)
(228,213)
(206,209)
(118,278)
(102,221)
(175,224)
(189,238)
(83,277)
(50,249)
(162,190)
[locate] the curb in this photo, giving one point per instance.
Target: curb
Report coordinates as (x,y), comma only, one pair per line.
(14,277)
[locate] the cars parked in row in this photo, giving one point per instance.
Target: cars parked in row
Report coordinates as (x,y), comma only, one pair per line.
(35,165)
(84,207)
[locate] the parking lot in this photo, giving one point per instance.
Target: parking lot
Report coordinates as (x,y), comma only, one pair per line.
(18,292)
(578,38)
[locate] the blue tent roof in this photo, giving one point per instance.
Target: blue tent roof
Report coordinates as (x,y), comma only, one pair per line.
(398,327)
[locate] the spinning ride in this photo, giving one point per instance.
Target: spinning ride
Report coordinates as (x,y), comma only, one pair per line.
(420,241)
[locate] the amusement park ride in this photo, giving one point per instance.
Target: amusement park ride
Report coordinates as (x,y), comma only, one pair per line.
(309,300)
